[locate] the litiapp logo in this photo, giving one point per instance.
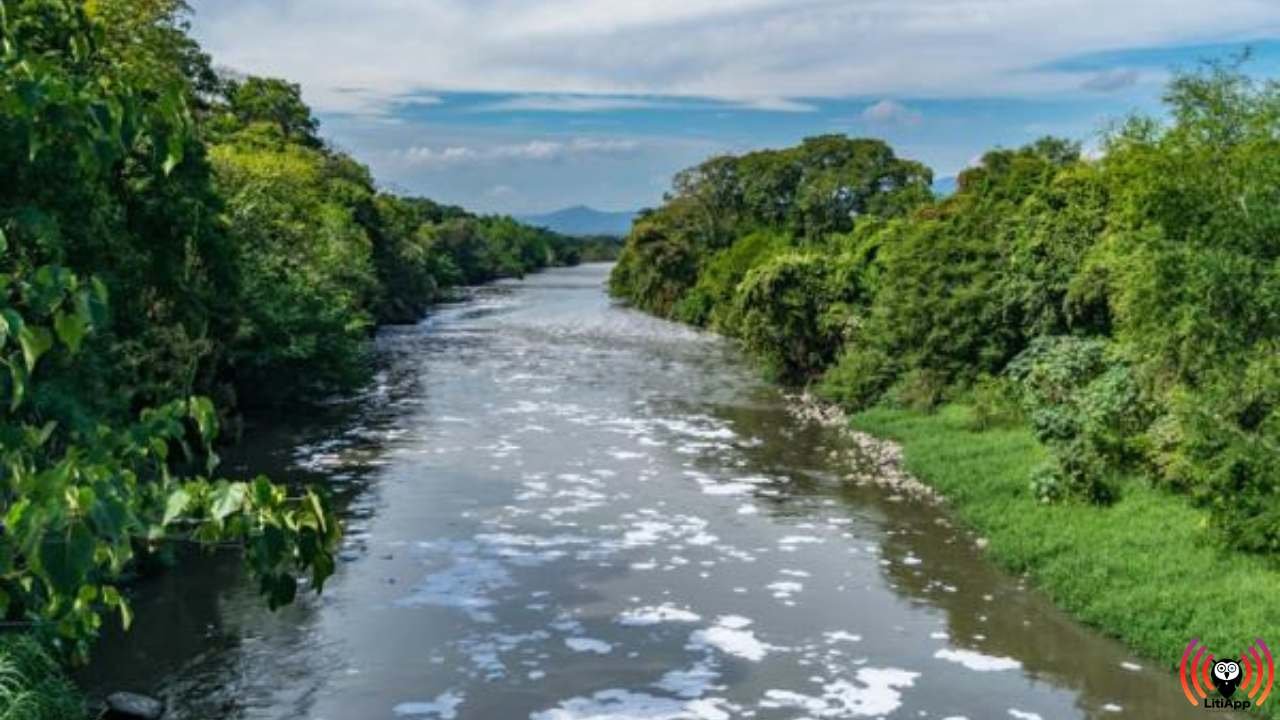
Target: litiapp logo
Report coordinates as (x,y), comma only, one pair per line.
(1251,676)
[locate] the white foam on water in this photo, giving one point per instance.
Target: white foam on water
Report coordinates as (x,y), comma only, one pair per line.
(688,429)
(466,585)
(1131,666)
(784,588)
(841,636)
(748,509)
(618,704)
(444,707)
(582,644)
(656,614)
(801,540)
(1023,715)
(730,636)
(727,488)
(1112,708)
(692,682)
(485,652)
(977,661)
(878,691)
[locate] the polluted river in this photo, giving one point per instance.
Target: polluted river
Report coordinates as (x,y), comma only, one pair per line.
(558,508)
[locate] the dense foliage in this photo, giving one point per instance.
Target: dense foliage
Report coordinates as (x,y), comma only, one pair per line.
(1127,307)
(168,234)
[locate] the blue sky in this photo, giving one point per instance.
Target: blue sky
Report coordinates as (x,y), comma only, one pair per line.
(520,106)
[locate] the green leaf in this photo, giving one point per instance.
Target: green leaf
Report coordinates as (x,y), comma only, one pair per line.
(109,516)
(206,417)
(175,150)
(111,597)
(176,505)
(98,301)
(10,324)
(4,242)
(35,341)
(228,499)
(67,558)
(317,507)
(18,381)
(71,329)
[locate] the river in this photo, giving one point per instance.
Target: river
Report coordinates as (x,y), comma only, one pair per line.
(558,508)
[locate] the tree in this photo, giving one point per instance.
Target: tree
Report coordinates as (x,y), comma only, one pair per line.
(276,103)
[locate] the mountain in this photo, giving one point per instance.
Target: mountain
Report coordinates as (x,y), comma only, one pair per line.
(582,220)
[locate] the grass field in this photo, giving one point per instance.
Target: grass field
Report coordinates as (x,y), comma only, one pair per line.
(1145,570)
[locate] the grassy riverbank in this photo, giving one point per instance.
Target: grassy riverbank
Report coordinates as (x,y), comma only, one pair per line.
(1145,569)
(33,686)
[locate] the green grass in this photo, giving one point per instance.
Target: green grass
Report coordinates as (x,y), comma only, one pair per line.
(33,685)
(1145,570)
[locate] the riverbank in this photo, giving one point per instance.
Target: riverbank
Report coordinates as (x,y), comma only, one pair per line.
(33,685)
(1145,570)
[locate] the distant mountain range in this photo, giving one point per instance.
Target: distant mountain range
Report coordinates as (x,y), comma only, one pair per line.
(582,220)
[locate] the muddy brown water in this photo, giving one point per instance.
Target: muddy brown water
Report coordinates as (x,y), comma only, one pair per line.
(560,509)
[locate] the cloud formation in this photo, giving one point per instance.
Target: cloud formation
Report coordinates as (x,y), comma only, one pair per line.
(764,53)
(891,112)
(531,151)
(1111,80)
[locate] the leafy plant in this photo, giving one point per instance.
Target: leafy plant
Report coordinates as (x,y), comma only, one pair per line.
(79,505)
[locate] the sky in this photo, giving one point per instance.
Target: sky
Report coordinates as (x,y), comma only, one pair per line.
(521,107)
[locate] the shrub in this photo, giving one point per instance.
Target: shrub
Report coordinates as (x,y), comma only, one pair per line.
(859,376)
(1085,405)
(994,402)
(781,308)
(919,389)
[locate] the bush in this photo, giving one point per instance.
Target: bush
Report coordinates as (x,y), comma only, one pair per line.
(859,376)
(994,402)
(781,315)
(1085,405)
(919,389)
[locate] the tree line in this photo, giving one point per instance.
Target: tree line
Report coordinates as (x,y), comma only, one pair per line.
(177,244)
(1126,306)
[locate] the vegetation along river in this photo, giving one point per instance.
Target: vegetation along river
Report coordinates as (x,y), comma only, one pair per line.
(559,508)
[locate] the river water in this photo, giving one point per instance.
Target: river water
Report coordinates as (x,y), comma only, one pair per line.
(562,509)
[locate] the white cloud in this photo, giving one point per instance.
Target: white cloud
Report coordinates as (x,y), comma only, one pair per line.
(766,52)
(891,112)
(602,103)
(775,104)
(1111,80)
(568,103)
(531,151)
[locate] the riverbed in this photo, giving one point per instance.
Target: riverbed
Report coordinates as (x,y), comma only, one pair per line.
(558,508)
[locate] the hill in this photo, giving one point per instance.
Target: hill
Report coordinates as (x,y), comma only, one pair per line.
(583,220)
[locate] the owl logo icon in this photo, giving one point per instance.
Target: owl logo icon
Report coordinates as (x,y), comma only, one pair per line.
(1248,677)
(1226,676)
